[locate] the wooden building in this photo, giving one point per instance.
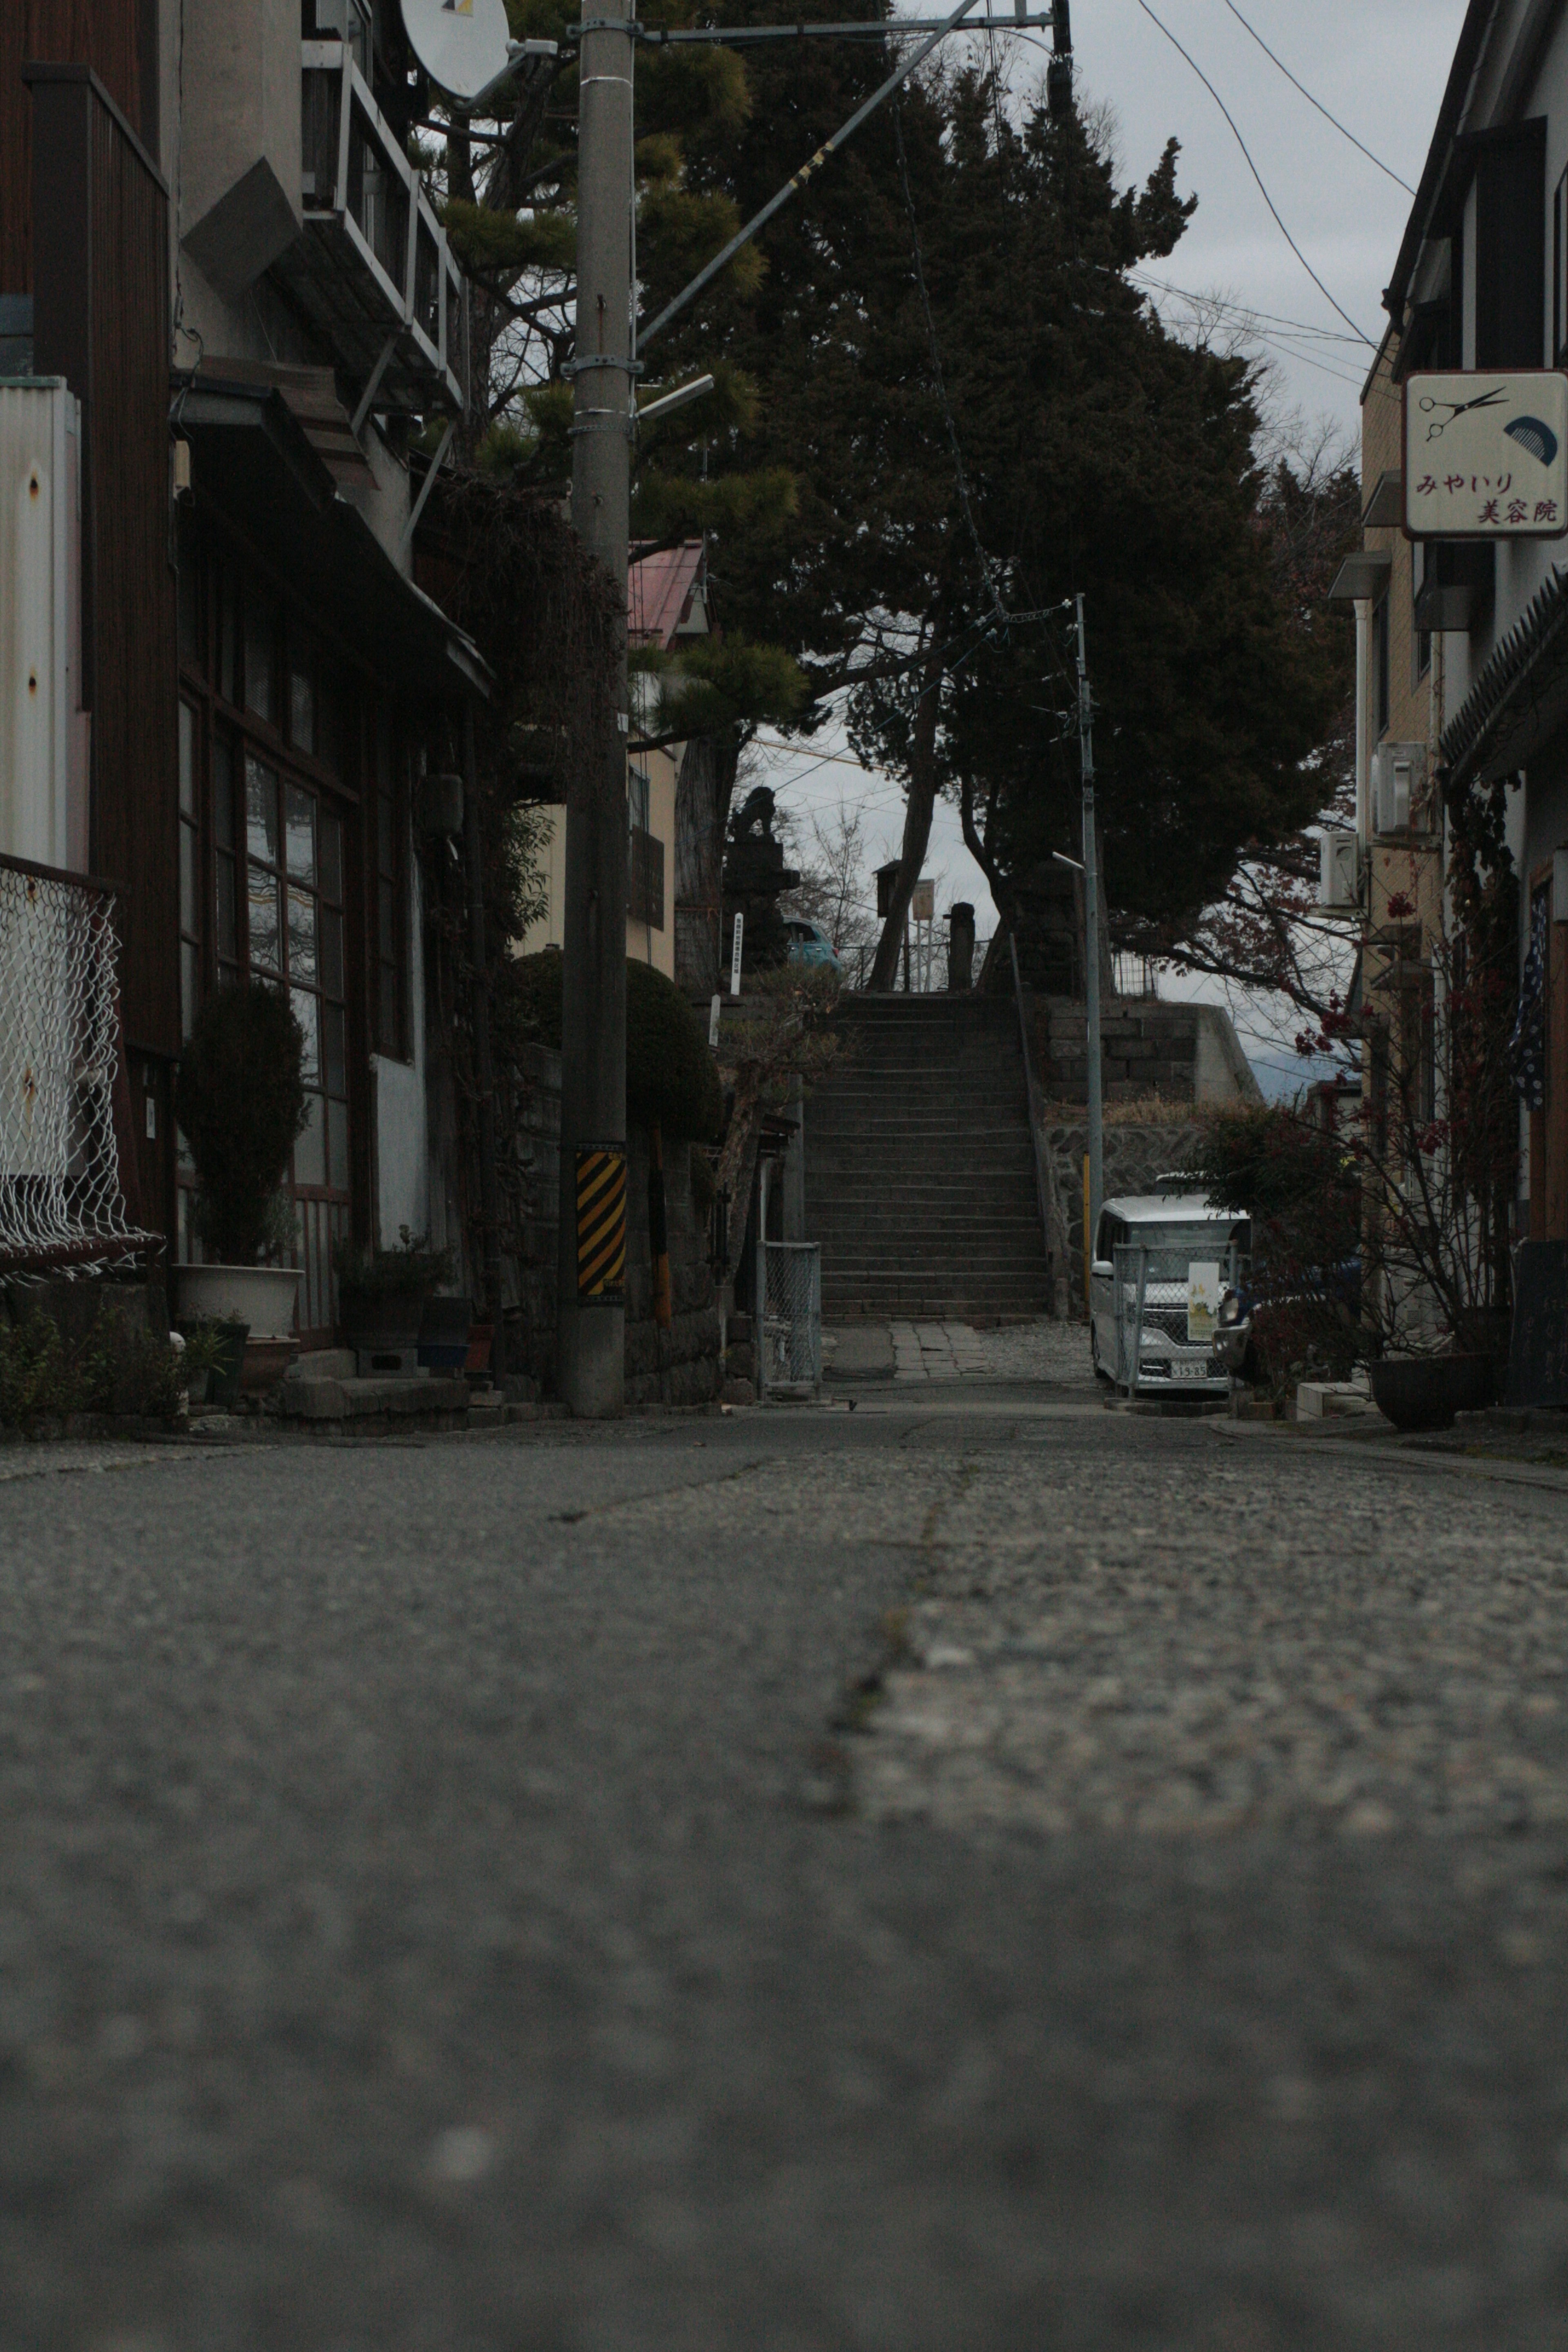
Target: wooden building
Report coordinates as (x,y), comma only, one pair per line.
(264,686)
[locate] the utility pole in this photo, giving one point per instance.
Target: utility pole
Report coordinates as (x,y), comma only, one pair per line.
(1090,937)
(591,1292)
(590,1289)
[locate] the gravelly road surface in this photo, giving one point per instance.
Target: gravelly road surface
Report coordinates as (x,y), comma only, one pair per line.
(455,1896)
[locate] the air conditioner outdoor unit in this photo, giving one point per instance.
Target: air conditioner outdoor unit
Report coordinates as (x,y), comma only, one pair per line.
(1398,783)
(1339,879)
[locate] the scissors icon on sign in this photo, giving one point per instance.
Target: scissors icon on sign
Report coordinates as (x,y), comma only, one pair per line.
(1439,425)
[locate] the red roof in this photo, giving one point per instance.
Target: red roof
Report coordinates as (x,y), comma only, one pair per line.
(659,590)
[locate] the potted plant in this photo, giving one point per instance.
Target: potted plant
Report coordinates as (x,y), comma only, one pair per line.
(381,1298)
(241,1101)
(214,1357)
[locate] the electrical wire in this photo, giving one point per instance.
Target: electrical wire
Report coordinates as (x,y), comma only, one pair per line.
(1187,56)
(1318,102)
(1241,309)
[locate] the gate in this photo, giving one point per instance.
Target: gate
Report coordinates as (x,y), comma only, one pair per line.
(1167,1303)
(789,1326)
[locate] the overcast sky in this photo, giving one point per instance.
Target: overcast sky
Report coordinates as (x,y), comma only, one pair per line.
(1380,66)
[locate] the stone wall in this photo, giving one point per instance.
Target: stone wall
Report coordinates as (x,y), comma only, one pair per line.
(679,1365)
(1184,1053)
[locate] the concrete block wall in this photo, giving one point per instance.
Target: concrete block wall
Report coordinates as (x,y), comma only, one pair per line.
(1184,1053)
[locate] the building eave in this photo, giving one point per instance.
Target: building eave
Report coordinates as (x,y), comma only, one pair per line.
(1521,697)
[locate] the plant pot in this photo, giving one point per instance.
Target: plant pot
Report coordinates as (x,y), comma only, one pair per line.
(220,1385)
(1426,1391)
(384,1321)
(444,1333)
(260,1296)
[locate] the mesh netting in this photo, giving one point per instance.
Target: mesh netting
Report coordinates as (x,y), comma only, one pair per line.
(791,1356)
(61,1208)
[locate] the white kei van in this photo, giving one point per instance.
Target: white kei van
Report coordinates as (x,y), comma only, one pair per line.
(1180,1230)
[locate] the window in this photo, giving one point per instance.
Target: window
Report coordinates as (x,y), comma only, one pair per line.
(1380,682)
(191,892)
(225,836)
(302,693)
(260,650)
(390,821)
(645,854)
(1510,246)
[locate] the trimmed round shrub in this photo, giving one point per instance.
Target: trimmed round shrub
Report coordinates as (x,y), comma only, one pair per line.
(241,1099)
(672,1079)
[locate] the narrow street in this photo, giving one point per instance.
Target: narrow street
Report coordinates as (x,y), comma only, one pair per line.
(977,1871)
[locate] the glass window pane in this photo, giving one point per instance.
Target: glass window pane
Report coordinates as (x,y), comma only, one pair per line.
(386,936)
(301,710)
(260,649)
(227,927)
(334,1054)
(261,811)
(331,846)
(388,1037)
(329,725)
(223,791)
(190,588)
(301,834)
(187,760)
(311,1148)
(337,1146)
(188,988)
(228,627)
(263,914)
(189,899)
(307,1014)
(302,937)
(331,953)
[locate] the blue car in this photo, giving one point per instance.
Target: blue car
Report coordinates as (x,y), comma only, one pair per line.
(809,944)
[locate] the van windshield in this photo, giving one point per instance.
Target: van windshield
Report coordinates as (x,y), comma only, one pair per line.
(1191,1234)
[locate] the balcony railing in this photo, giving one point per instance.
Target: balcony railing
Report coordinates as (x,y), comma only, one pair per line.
(373,275)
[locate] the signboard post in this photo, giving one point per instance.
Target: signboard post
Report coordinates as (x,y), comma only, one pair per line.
(1486,454)
(735,956)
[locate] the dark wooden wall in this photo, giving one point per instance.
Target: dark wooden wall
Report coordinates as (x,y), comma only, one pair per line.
(119,39)
(101,320)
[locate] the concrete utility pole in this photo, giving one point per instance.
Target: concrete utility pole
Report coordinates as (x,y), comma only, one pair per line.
(591,1294)
(1090,938)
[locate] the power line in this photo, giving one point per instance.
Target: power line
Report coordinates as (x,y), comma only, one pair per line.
(1242,309)
(1322,109)
(1192,61)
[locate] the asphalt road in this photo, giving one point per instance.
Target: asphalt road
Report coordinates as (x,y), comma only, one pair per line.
(976,1873)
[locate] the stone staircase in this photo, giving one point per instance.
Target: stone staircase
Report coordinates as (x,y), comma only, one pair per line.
(919,1170)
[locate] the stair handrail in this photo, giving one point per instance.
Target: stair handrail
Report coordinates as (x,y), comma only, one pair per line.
(1035,1108)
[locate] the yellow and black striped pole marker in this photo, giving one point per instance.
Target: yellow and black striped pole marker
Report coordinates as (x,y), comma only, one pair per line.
(602,1222)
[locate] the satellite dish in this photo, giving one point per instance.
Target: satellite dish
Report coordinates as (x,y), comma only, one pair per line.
(461,43)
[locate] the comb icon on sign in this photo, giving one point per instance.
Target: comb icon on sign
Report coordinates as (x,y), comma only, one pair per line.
(1533,435)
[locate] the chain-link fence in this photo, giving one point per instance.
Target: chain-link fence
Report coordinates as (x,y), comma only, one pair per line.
(61,1207)
(789,1285)
(1167,1317)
